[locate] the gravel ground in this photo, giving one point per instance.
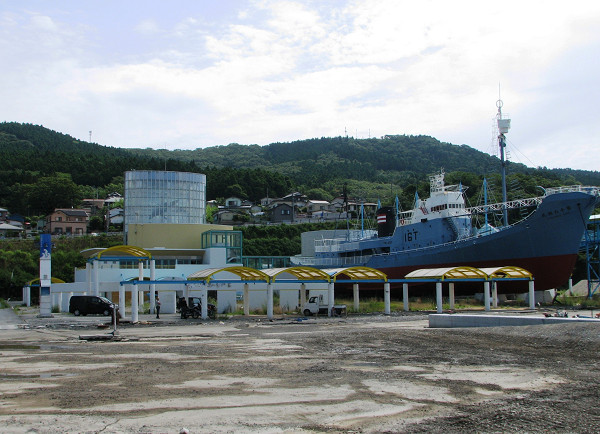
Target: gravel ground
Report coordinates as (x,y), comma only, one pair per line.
(356,374)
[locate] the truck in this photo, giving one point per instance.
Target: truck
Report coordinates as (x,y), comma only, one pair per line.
(315,305)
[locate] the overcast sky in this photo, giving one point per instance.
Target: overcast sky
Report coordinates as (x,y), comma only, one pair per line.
(183,74)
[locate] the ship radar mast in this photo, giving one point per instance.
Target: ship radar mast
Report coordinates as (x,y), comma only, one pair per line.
(503,127)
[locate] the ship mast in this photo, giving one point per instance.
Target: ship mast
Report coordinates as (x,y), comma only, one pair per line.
(503,127)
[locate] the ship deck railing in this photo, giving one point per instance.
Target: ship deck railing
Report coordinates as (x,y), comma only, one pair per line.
(492,207)
(594,191)
(329,262)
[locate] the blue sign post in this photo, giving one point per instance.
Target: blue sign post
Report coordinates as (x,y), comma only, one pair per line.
(45,275)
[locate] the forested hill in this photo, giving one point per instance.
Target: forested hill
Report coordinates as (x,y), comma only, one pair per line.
(323,159)
(372,168)
(394,159)
(40,151)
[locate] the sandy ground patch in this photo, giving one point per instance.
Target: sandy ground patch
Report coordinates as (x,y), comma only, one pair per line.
(357,374)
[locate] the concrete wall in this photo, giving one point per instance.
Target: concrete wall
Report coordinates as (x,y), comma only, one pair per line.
(458,320)
(172,236)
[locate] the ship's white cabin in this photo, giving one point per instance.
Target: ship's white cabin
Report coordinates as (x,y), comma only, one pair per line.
(444,201)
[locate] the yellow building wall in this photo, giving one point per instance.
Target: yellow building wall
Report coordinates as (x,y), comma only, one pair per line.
(170,236)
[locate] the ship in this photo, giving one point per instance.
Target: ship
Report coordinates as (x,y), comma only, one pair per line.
(441,231)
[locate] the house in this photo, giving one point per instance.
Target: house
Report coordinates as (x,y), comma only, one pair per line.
(282,213)
(94,205)
(3,214)
(8,230)
(116,216)
(317,205)
(233,202)
(353,206)
(16,220)
(67,221)
(225,216)
(328,215)
(266,201)
(296,198)
(112,198)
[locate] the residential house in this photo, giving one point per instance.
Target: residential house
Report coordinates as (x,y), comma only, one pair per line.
(266,201)
(317,205)
(112,198)
(282,213)
(353,206)
(67,221)
(16,220)
(319,216)
(233,202)
(116,216)
(296,198)
(93,205)
(9,230)
(236,211)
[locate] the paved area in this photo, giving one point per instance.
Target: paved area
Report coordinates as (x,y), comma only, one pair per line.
(10,320)
(369,373)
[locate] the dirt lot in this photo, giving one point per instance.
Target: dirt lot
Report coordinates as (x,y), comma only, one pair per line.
(355,374)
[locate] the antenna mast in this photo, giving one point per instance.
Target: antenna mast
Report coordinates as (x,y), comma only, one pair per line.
(503,127)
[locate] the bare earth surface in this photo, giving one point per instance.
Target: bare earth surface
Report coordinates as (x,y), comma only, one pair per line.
(356,374)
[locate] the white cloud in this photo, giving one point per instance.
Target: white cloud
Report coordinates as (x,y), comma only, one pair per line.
(287,70)
(147,27)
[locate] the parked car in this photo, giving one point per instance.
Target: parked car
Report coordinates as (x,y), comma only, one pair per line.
(90,305)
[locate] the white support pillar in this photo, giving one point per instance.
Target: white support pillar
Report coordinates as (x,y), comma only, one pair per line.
(531,295)
(27,295)
(330,298)
(451,294)
(405,296)
(486,295)
(246,300)
(570,286)
(302,296)
(270,300)
(141,288)
(387,298)
(58,301)
(494,294)
(122,300)
(152,287)
(96,277)
(204,300)
(134,303)
(438,297)
(356,296)
(186,292)
(88,277)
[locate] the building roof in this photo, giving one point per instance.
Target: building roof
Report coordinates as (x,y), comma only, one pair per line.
(7,227)
(72,212)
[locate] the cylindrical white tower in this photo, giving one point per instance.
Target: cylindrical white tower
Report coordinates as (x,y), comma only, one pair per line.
(164,197)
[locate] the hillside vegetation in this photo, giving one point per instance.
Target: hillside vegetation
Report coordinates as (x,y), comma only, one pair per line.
(36,161)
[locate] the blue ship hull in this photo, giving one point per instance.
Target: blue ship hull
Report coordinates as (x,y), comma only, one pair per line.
(546,244)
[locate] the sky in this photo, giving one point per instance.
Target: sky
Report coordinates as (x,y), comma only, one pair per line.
(187,74)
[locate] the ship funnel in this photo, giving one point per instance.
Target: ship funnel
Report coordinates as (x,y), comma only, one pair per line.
(386,221)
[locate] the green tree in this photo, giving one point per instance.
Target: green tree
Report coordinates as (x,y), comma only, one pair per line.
(17,267)
(51,192)
(210,213)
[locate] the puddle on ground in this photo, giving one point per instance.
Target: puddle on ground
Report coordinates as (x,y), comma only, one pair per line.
(19,347)
(31,347)
(40,375)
